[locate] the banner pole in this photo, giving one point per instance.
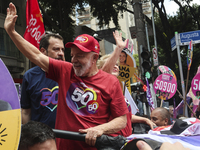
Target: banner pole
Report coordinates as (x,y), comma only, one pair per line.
(186,103)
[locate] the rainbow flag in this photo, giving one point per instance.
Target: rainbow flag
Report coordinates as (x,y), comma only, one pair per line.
(189,55)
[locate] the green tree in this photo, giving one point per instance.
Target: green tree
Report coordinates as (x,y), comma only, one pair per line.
(135,56)
(58,15)
(58,18)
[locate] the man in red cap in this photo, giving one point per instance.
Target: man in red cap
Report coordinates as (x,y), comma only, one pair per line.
(87,96)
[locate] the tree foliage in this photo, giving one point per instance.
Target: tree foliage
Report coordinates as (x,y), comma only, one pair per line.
(186,19)
(59,16)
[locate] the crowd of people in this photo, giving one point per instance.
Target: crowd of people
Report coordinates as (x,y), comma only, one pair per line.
(83,96)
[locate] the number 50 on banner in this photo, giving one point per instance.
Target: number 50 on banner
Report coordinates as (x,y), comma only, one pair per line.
(195,85)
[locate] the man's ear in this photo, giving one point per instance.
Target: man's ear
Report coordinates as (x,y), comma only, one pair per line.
(44,51)
(95,57)
(166,122)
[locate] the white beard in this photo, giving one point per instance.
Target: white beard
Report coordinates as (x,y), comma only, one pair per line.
(83,69)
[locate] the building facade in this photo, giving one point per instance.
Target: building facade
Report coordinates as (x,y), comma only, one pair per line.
(10,55)
(85,18)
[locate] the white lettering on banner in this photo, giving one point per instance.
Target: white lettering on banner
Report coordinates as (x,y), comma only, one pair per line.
(190,35)
(166,77)
(165,86)
(196,84)
(34,30)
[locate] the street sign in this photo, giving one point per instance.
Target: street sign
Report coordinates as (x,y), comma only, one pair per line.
(186,37)
(173,43)
(155,57)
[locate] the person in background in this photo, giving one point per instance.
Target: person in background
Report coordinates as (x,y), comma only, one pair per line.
(167,95)
(139,101)
(160,116)
(39,96)
(171,112)
(37,136)
(198,112)
(123,58)
(87,96)
(158,93)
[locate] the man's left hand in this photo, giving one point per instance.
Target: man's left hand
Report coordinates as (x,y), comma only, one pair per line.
(91,135)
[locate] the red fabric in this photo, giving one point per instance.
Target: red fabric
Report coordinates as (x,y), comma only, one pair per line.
(34,23)
(74,111)
(127,131)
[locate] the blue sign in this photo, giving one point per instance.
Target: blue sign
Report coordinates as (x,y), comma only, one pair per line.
(186,37)
(173,43)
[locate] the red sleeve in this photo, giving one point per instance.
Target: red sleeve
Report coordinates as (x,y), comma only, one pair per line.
(58,68)
(118,104)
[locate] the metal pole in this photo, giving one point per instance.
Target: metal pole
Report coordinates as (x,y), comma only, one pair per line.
(180,67)
(147,36)
(154,33)
(140,51)
(140,28)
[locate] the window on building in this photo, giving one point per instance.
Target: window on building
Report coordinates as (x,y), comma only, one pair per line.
(3,6)
(2,50)
(7,47)
(19,21)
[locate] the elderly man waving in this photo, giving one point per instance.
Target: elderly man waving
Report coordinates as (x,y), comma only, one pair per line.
(87,96)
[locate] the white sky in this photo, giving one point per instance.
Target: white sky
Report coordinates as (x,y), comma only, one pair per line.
(171,7)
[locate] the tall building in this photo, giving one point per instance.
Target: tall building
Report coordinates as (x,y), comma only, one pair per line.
(85,18)
(10,55)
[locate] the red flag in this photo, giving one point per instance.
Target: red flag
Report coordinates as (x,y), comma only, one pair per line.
(34,23)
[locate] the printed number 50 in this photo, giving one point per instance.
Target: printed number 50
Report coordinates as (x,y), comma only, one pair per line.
(197,85)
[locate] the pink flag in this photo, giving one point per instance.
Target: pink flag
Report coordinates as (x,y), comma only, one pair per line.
(195,100)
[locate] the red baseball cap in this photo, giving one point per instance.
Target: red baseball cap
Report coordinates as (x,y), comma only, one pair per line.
(86,43)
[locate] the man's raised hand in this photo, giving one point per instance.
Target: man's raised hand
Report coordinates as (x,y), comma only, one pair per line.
(11,18)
